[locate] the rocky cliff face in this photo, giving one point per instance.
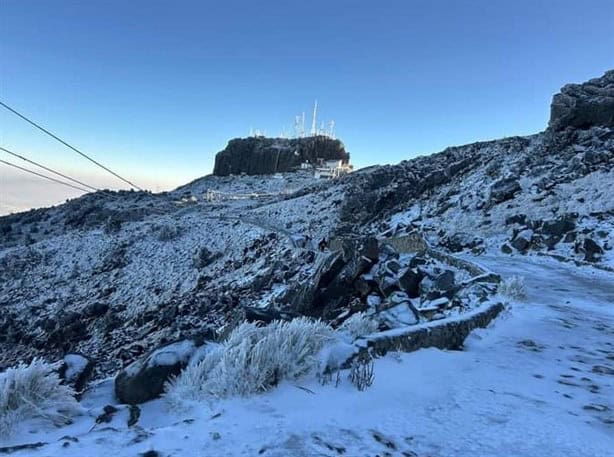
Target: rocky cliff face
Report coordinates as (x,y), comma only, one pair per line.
(584,105)
(260,155)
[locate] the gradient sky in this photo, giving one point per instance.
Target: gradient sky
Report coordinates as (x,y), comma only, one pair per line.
(154,89)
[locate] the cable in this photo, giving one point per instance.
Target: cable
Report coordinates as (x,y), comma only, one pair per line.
(49,169)
(68,145)
(42,176)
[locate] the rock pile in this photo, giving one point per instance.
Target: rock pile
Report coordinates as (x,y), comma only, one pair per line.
(369,275)
(538,235)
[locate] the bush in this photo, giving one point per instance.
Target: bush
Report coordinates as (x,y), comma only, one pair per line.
(357,325)
(361,374)
(513,288)
(34,391)
(168,232)
(253,359)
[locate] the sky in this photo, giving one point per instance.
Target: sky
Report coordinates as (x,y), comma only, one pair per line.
(153,89)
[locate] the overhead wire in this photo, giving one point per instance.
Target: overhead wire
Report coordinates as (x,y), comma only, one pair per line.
(68,145)
(43,176)
(19,156)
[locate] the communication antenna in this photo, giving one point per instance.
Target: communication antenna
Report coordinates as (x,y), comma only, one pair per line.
(313,119)
(303,126)
(331,133)
(297,126)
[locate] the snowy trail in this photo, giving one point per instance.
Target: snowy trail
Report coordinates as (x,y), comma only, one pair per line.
(538,383)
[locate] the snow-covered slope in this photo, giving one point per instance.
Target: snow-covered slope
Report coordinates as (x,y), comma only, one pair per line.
(116,275)
(535,383)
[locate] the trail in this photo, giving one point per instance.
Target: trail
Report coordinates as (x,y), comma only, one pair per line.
(539,382)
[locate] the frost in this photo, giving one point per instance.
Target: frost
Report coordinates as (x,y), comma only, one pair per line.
(359,324)
(34,391)
(253,359)
(513,288)
(75,364)
(172,354)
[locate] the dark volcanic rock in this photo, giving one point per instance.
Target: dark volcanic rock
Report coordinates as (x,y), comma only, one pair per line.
(522,240)
(260,155)
(584,105)
(592,251)
(144,379)
(504,189)
(410,282)
(560,226)
(76,370)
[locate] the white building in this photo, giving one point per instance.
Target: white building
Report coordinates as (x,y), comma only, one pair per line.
(330,169)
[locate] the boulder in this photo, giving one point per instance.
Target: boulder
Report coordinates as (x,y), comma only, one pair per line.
(506,248)
(370,249)
(397,311)
(522,240)
(437,283)
(559,226)
(504,189)
(76,370)
(400,315)
(516,219)
(592,251)
(266,315)
(144,379)
(410,282)
(204,257)
(459,241)
(97,309)
(443,285)
(584,105)
(386,278)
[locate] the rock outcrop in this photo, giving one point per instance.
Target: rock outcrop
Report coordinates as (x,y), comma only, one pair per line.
(144,379)
(260,155)
(584,105)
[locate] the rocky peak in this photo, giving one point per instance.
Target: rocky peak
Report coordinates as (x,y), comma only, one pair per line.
(262,155)
(584,105)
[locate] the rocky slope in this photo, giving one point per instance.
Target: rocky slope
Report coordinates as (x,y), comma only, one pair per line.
(114,275)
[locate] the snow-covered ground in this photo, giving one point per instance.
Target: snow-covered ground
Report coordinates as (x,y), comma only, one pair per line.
(538,382)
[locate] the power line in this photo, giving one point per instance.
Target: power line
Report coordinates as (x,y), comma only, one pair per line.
(48,169)
(43,176)
(68,145)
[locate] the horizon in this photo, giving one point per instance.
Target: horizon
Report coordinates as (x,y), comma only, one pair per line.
(154,90)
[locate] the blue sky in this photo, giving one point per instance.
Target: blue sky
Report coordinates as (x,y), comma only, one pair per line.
(154,89)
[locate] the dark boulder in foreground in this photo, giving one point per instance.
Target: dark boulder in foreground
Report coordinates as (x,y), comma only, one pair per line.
(261,155)
(144,379)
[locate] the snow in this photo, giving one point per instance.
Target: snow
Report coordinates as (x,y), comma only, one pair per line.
(535,383)
(75,364)
(179,352)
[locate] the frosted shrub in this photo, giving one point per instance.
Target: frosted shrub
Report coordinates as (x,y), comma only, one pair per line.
(252,359)
(361,374)
(513,288)
(34,391)
(168,232)
(359,324)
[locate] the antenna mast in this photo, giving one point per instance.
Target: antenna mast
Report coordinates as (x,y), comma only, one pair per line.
(303,126)
(313,119)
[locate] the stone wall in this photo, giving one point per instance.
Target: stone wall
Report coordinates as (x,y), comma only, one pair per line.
(443,334)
